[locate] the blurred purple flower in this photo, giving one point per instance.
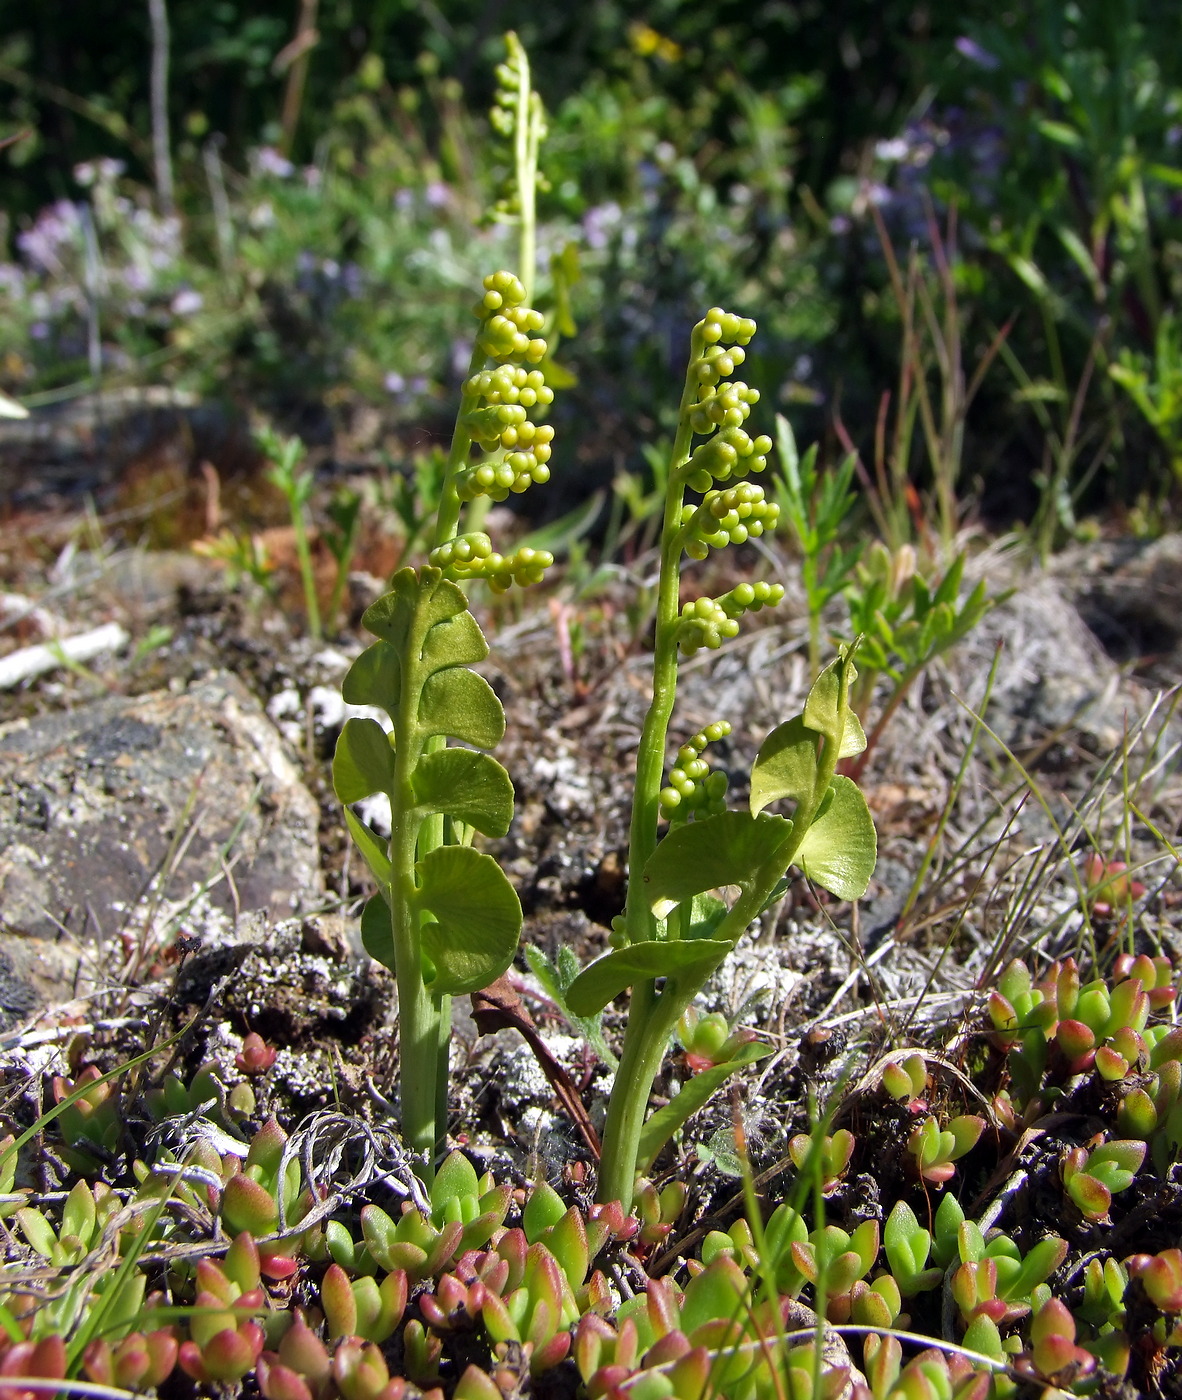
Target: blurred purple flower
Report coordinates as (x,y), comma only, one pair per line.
(161,237)
(136,278)
(56,227)
(12,279)
(650,175)
(437,195)
(405,390)
(186,302)
(268,161)
(598,223)
(970,49)
(104,171)
(404,201)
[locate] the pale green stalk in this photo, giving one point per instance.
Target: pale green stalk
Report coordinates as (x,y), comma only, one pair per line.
(447,519)
(527,138)
(651,1019)
(421,1025)
(527,141)
(427,1029)
(304,554)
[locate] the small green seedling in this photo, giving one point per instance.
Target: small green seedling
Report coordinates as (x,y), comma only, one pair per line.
(556,976)
(936,1149)
(244,556)
(1093,1178)
(908,1247)
(285,456)
(344,512)
(835,1153)
(817,506)
(905,622)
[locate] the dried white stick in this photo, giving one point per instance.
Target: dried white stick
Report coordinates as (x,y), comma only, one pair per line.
(33,661)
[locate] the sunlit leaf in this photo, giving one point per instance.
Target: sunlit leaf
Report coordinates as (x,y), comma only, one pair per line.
(374,679)
(477,918)
(458,641)
(460,703)
(1060,133)
(731,848)
(363,762)
(371,846)
(786,765)
(377,931)
(468,785)
(824,711)
(611,974)
(840,848)
(416,600)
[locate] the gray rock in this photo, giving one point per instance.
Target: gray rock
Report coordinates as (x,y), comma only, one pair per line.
(1052,675)
(1129,592)
(178,807)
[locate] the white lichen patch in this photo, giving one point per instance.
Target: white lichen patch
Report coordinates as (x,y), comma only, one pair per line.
(565,784)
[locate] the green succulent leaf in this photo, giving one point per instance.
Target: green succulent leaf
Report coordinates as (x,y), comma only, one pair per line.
(907,1246)
(720,1291)
(982,1335)
(470,786)
(1043,1258)
(477,918)
(363,762)
(731,848)
(38,1231)
(377,931)
(1090,1195)
(371,846)
(78,1214)
(609,975)
(461,704)
(1126,1155)
(693,1095)
(840,848)
(544,1209)
(455,1179)
(375,678)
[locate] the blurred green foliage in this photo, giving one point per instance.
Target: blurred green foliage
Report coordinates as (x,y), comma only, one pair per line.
(697,153)
(865,63)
